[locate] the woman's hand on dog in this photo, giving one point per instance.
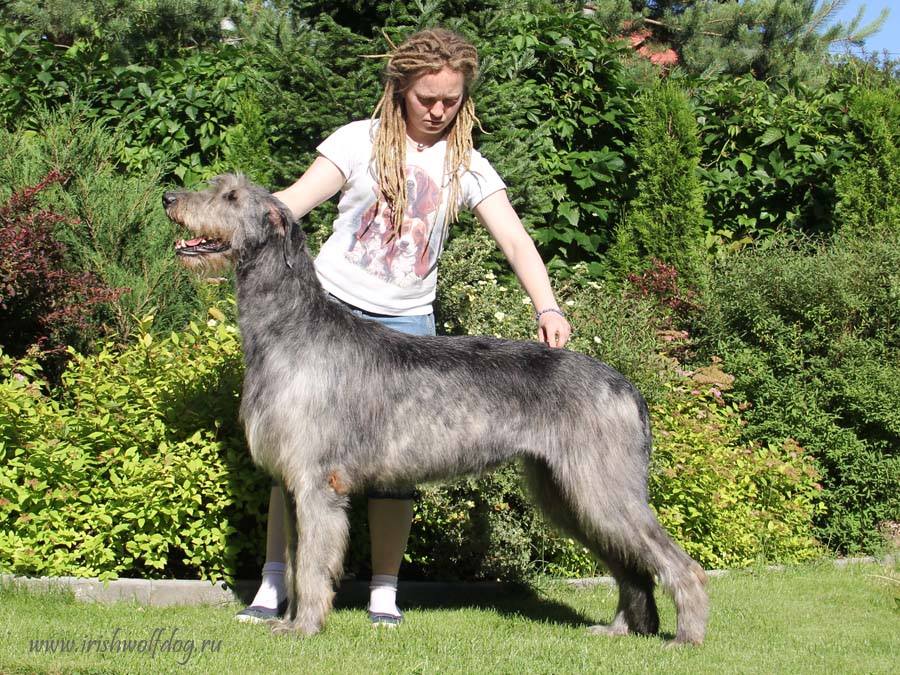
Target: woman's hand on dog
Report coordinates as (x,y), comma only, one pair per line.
(553,330)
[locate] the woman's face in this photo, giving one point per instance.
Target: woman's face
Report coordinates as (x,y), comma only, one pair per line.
(432,101)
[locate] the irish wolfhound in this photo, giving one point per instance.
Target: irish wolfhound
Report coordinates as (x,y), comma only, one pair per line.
(333,403)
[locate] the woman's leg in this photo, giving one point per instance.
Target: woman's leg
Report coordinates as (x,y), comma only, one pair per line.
(389,524)
(391,513)
(272,593)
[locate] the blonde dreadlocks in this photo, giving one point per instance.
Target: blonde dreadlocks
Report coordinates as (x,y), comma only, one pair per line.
(425,52)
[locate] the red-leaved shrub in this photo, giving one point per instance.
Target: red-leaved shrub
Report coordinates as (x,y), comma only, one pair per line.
(44,305)
(660,282)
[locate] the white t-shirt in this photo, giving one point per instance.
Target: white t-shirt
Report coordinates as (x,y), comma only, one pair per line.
(362,263)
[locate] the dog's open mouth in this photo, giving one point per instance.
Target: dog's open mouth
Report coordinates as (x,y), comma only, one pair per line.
(200,246)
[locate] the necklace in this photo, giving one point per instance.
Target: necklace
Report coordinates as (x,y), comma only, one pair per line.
(420,147)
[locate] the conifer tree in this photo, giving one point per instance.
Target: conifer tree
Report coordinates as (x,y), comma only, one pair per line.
(768,38)
(123,26)
(665,220)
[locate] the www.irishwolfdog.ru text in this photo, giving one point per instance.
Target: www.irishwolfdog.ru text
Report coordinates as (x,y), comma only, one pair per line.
(157,643)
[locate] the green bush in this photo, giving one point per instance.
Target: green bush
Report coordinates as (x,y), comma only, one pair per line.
(135,466)
(868,188)
(728,502)
(555,82)
(313,79)
(665,221)
(172,114)
(122,27)
(770,154)
(813,334)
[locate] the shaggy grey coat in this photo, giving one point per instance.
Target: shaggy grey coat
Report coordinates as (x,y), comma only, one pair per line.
(333,404)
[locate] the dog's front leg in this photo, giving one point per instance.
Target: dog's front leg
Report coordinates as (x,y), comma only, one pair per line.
(316,557)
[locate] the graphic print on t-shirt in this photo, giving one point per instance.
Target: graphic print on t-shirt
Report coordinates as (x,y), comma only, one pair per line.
(406,259)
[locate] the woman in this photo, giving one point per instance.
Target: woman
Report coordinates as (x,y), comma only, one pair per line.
(403,176)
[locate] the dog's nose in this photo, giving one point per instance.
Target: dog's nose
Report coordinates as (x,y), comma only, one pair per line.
(168,199)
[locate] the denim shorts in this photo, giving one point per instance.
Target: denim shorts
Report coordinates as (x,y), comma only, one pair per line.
(420,324)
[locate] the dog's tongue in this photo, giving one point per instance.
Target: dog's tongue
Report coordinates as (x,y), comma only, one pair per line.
(189,243)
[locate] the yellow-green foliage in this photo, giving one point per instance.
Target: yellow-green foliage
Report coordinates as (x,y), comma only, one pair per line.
(729,503)
(134,466)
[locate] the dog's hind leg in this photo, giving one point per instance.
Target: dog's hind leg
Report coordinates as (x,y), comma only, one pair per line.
(637,549)
(617,525)
(685,580)
(636,612)
(316,559)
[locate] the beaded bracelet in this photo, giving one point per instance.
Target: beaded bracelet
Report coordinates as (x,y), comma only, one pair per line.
(549,309)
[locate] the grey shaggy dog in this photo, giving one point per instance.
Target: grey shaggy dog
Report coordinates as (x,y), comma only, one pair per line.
(333,404)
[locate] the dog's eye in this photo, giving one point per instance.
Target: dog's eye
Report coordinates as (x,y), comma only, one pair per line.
(231,195)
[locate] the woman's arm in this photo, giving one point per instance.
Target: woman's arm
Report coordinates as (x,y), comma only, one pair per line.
(320,182)
(498,216)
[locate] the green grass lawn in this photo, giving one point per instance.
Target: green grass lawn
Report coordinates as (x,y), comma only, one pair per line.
(818,619)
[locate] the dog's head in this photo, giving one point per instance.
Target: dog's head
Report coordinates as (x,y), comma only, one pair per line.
(228,218)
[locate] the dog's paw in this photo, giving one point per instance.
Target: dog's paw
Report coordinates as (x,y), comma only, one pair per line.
(298,628)
(686,640)
(608,630)
(280,626)
(678,643)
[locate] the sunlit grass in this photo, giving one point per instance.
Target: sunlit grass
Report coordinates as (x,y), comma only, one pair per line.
(810,619)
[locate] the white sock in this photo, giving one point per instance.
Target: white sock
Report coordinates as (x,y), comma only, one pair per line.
(272,591)
(383,594)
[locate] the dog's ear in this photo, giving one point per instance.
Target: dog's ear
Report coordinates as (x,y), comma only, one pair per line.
(282,221)
(279,219)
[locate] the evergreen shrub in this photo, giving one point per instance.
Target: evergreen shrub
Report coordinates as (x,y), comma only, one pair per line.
(111,222)
(868,187)
(665,220)
(44,304)
(812,332)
